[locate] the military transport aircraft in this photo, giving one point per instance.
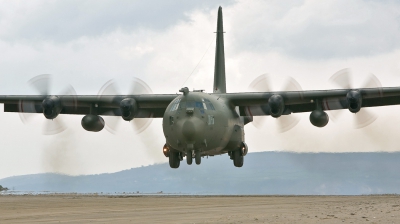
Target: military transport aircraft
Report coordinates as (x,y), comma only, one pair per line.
(196,123)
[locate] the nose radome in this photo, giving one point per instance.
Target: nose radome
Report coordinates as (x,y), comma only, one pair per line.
(189,130)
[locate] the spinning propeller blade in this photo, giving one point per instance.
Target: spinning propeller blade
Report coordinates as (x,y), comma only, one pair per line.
(41,84)
(52,127)
(343,80)
(138,87)
(261,84)
(285,122)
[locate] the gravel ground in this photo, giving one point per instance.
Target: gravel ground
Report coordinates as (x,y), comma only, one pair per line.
(75,208)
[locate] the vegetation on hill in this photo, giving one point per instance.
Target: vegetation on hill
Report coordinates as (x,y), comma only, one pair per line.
(3,188)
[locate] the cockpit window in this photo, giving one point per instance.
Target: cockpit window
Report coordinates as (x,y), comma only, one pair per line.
(207,104)
(190,104)
(204,104)
(199,105)
(175,105)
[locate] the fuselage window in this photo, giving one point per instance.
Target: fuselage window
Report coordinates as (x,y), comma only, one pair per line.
(210,119)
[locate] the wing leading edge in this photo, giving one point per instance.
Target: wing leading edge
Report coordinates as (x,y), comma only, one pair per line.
(294,101)
(154,104)
(259,104)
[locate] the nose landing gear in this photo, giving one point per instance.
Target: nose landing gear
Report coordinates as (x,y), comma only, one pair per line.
(189,157)
(198,157)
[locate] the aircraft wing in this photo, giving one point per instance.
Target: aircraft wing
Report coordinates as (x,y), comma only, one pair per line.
(259,104)
(149,105)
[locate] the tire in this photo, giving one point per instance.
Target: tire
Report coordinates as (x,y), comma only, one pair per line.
(189,157)
(198,158)
(237,159)
(174,161)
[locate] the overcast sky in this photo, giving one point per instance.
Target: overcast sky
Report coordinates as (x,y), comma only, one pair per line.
(87,43)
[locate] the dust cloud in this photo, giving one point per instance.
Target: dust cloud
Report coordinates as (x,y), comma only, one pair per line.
(338,136)
(60,155)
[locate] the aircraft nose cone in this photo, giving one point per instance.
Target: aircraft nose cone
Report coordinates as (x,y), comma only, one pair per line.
(189,130)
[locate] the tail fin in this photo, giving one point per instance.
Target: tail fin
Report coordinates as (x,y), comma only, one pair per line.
(219,70)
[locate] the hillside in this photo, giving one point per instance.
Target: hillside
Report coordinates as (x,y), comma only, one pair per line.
(263,173)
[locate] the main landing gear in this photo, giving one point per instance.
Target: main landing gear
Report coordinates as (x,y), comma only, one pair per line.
(174,156)
(237,159)
(238,155)
(174,159)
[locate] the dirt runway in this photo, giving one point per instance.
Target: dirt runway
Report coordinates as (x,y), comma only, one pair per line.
(198,209)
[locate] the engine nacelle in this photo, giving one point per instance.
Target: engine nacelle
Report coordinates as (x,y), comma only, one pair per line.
(319,118)
(51,107)
(276,105)
(354,101)
(129,108)
(92,123)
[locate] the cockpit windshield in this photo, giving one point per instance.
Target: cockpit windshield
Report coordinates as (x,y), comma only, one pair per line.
(187,104)
(175,104)
(207,104)
(204,104)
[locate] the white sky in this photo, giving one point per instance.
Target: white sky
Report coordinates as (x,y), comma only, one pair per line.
(87,43)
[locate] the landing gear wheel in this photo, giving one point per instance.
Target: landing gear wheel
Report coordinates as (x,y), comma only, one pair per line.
(174,160)
(189,157)
(198,158)
(237,159)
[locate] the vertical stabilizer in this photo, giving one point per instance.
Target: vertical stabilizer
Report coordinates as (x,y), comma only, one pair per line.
(219,71)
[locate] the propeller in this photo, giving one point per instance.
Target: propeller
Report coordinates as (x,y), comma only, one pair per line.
(285,122)
(32,109)
(343,79)
(114,119)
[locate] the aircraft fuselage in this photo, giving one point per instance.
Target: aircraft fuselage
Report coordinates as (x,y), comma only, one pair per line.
(203,123)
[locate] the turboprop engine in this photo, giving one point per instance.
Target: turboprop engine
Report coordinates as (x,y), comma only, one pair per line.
(354,100)
(128,108)
(276,105)
(51,107)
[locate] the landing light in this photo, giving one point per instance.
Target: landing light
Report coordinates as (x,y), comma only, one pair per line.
(166,150)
